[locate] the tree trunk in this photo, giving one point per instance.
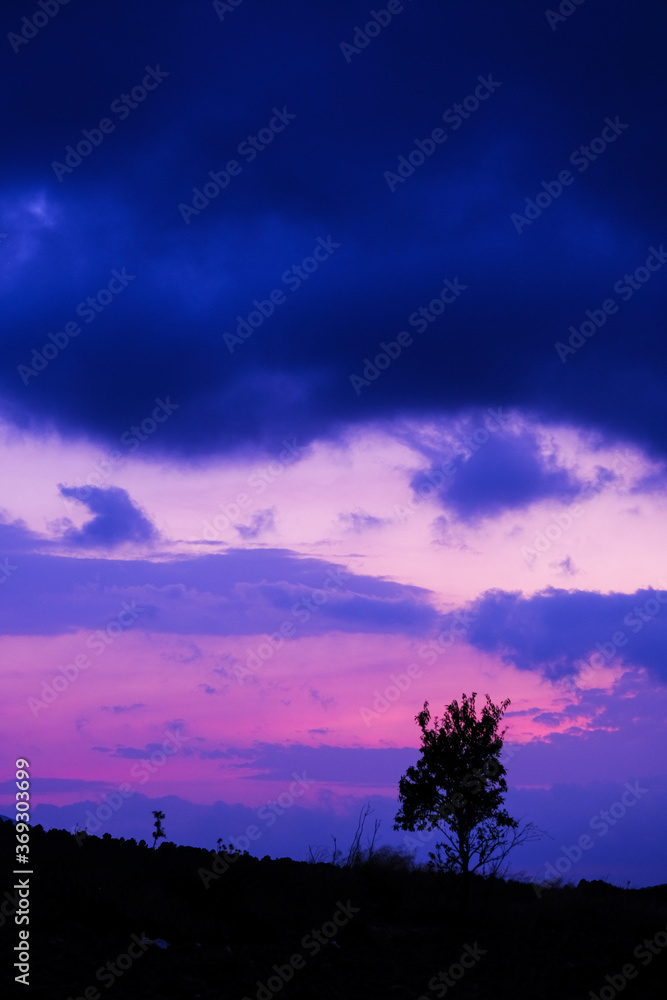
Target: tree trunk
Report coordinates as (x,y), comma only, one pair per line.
(465,893)
(464,855)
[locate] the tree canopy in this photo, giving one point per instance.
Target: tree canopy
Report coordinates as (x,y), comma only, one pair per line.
(458,788)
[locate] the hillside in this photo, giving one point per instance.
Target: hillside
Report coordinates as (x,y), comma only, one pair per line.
(316,931)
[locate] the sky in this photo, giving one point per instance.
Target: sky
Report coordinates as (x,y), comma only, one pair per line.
(333,379)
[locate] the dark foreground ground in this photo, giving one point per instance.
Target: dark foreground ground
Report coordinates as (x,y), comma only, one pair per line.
(262,929)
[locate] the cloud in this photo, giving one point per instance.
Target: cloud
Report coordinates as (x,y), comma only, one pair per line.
(55,786)
(117,519)
(190,654)
(557,632)
(549,719)
(260,522)
(321,699)
(364,766)
(503,472)
(566,566)
(120,709)
(137,753)
(240,592)
(324,175)
(359,520)
(15,536)
(446,536)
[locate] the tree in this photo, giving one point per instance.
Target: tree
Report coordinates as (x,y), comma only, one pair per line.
(158,832)
(457,788)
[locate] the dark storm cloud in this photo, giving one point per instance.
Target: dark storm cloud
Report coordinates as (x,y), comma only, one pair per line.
(238,593)
(500,473)
(321,177)
(559,632)
(117,519)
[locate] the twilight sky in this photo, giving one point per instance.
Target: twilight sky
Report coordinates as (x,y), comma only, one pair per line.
(333,381)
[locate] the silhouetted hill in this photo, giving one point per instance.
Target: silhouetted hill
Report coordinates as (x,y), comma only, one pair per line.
(385,931)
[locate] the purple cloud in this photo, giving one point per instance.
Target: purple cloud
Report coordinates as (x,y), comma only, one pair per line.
(260,522)
(555,630)
(117,519)
(240,592)
(502,472)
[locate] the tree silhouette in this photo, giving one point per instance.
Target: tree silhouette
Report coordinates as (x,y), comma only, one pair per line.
(458,787)
(158,832)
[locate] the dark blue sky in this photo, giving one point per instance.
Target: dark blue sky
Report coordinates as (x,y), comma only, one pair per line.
(218,79)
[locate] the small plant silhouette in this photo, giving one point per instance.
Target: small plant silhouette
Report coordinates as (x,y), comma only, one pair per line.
(158,832)
(357,853)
